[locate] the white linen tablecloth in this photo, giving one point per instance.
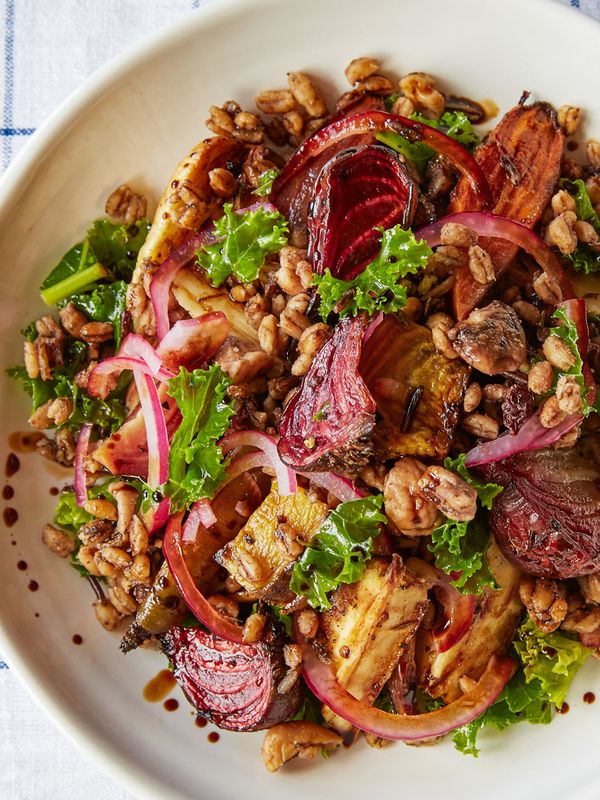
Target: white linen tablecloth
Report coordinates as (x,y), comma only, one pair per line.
(48,48)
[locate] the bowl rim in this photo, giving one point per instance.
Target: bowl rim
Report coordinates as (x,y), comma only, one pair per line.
(101,750)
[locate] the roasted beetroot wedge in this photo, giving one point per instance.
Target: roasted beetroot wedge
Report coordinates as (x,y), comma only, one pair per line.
(357,192)
(328,422)
(235,686)
(418,391)
(547,520)
(294,198)
(521,160)
(292,191)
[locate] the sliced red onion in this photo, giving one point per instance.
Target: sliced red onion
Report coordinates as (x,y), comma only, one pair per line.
(532,435)
(138,347)
(459,609)
(79,482)
(575,310)
(336,485)
(157,518)
(97,386)
(486,224)
(322,682)
(160,285)
(286,478)
(201,513)
(156,430)
(374,323)
(216,622)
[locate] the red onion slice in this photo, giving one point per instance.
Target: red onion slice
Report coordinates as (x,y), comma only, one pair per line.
(79,483)
(138,347)
(98,387)
(532,435)
(201,513)
(193,597)
(459,609)
(160,285)
(286,478)
(156,430)
(322,682)
(503,228)
(157,518)
(337,485)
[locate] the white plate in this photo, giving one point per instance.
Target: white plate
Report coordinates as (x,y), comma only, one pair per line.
(133,121)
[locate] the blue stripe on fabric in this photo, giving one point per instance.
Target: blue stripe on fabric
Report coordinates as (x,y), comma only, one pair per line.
(9,42)
(3,665)
(575,3)
(16,131)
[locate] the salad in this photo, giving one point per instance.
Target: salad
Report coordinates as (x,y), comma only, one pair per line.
(333,415)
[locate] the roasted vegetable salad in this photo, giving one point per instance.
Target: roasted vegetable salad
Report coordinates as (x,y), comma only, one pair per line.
(332,416)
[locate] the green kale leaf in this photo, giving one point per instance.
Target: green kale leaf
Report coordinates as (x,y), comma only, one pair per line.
(105,303)
(454,124)
(117,246)
(567,331)
(459,549)
(265,182)
(376,288)
(485,491)
(339,550)
(196,463)
(549,662)
(106,414)
(244,241)
(553,659)
(109,252)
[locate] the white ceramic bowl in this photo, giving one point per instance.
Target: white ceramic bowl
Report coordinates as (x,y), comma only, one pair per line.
(133,121)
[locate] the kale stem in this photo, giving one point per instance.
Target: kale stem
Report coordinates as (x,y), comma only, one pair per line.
(74,283)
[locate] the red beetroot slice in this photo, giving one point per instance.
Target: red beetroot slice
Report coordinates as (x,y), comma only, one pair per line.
(295,197)
(357,192)
(232,685)
(547,520)
(327,424)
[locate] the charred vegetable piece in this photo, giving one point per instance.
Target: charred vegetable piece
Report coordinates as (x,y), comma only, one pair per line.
(261,554)
(197,296)
(163,607)
(497,614)
(369,624)
(294,198)
(521,159)
(418,391)
(547,520)
(126,451)
(171,224)
(297,739)
(357,192)
(328,423)
(235,686)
